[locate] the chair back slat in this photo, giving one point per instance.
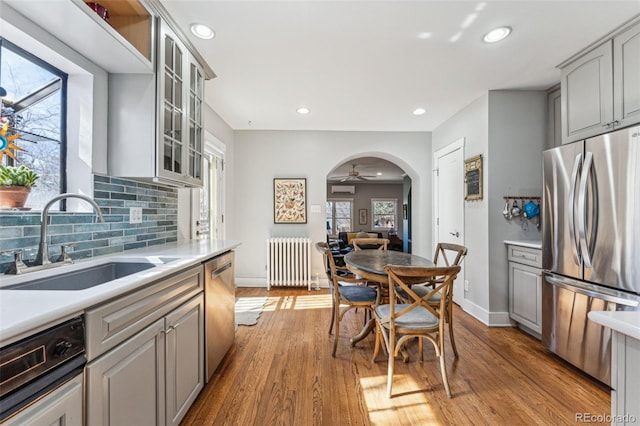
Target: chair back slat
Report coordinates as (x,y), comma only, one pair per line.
(401,278)
(360,243)
(443,248)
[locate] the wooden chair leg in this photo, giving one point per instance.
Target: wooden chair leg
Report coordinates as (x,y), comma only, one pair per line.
(443,370)
(390,368)
(450,324)
(333,316)
(336,334)
(376,347)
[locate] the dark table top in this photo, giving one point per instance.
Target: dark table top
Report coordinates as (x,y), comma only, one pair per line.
(374,261)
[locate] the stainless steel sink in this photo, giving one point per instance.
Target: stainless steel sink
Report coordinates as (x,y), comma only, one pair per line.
(87,277)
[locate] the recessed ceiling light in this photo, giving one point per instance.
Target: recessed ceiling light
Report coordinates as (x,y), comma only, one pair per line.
(497,34)
(303,110)
(419,111)
(424,35)
(202,31)
(379,174)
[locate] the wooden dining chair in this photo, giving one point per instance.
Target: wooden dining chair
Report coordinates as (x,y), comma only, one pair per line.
(396,323)
(446,254)
(350,291)
(368,243)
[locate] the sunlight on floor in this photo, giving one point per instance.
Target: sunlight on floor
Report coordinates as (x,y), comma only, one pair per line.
(408,394)
(313,301)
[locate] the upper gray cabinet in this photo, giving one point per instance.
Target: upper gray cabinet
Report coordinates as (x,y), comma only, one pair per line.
(156,121)
(626,77)
(601,87)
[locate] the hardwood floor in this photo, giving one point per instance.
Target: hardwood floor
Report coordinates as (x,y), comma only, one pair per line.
(280,372)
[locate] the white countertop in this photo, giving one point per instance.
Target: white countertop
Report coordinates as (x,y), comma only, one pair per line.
(525,243)
(23,312)
(625,322)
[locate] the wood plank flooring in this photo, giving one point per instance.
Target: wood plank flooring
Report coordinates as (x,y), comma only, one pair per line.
(280,372)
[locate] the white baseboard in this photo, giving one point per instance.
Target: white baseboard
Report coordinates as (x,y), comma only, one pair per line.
(492,319)
(261,282)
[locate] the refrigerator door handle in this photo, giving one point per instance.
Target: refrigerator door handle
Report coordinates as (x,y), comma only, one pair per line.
(586,292)
(582,209)
(572,198)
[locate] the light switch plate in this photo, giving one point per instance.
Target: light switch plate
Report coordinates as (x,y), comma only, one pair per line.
(135,214)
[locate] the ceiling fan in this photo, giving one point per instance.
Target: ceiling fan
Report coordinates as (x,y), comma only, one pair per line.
(353,175)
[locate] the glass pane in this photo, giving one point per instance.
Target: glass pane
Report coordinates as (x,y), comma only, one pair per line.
(168,87)
(168,52)
(178,93)
(21,77)
(192,135)
(198,168)
(193,77)
(198,146)
(178,66)
(192,107)
(343,225)
(168,151)
(177,157)
(168,125)
(177,125)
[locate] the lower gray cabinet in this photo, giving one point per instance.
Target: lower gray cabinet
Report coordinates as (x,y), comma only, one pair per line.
(625,368)
(153,377)
(525,288)
(63,406)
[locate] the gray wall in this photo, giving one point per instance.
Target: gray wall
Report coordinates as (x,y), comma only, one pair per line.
(509,129)
(517,137)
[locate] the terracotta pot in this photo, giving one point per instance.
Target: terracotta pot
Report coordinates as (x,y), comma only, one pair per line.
(13,196)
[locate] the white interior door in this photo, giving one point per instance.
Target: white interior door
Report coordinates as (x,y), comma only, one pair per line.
(449,202)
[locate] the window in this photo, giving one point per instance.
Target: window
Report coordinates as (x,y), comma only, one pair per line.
(384,213)
(35,107)
(339,216)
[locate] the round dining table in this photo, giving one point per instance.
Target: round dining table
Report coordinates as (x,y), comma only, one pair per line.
(370,264)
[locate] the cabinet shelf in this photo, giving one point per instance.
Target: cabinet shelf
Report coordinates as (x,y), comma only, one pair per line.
(122,45)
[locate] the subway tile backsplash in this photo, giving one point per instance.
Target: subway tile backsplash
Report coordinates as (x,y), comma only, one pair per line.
(21,230)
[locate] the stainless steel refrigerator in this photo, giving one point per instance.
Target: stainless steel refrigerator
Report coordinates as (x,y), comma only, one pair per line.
(591,244)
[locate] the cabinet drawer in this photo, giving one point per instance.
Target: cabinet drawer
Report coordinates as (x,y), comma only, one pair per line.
(110,324)
(525,255)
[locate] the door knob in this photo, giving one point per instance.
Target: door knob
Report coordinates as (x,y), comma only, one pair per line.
(457,234)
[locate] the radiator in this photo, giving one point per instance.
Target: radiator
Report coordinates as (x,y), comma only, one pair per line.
(289,262)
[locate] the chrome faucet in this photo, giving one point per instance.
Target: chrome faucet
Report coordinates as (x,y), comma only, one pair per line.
(43,252)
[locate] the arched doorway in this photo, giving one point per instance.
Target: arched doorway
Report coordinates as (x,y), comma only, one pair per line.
(369,194)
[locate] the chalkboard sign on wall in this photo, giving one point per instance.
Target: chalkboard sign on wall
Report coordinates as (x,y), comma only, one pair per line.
(473,178)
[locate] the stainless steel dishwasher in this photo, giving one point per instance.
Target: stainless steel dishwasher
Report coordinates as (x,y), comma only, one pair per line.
(220,318)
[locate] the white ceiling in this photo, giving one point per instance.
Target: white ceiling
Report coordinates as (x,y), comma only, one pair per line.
(359,65)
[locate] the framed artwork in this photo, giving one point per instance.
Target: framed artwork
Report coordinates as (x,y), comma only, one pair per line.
(473,178)
(290,200)
(363,216)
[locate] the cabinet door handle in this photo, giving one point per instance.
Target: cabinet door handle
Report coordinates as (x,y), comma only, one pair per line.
(457,234)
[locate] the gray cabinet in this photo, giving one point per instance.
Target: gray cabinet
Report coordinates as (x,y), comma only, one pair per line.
(625,368)
(146,353)
(184,373)
(525,288)
(601,88)
(554,129)
(156,120)
(154,377)
(587,95)
(126,385)
(63,406)
(626,77)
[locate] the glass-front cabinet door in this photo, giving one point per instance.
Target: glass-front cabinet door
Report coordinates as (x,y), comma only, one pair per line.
(196,93)
(181,92)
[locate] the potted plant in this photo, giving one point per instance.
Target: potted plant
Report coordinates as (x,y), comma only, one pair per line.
(15,185)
